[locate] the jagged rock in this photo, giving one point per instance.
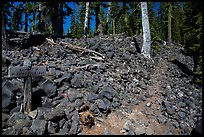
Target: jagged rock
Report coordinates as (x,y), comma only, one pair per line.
(162,119)
(68,109)
(65,77)
(46,102)
(41,112)
(7,94)
(5,117)
(91,96)
(181,114)
(140,130)
(101,105)
(62,122)
(52,127)
(73,95)
(16,109)
(75,123)
(149,131)
(63,131)
(55,114)
(17,116)
(94,109)
(17,129)
(49,87)
(39,126)
(77,80)
(116,102)
(127,125)
(78,103)
(27,131)
(63,103)
(122,79)
(106,132)
(170,110)
(51,65)
(184,128)
(197,130)
(18,83)
(106,92)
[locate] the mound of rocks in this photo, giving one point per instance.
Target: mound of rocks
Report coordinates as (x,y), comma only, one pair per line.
(77,82)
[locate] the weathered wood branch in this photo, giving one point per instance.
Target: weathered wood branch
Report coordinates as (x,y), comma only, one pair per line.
(75,48)
(14,39)
(86,66)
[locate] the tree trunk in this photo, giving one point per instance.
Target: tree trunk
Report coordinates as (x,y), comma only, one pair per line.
(33,27)
(146,31)
(86,20)
(39,17)
(26,21)
(61,20)
(107,19)
(4,38)
(169,24)
(124,18)
(97,11)
(113,26)
(55,20)
(3,25)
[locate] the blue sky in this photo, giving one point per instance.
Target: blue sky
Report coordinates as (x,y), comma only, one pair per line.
(67,23)
(72,5)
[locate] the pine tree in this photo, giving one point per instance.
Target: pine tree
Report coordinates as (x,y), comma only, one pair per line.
(154,26)
(73,25)
(134,19)
(177,22)
(97,17)
(163,12)
(16,19)
(169,23)
(103,18)
(26,17)
(193,35)
(114,15)
(6,12)
(107,18)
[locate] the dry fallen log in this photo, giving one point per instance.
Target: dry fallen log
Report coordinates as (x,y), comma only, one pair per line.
(97,58)
(14,39)
(75,48)
(86,66)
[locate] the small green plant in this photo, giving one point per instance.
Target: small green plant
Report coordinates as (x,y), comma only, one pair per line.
(156,47)
(173,58)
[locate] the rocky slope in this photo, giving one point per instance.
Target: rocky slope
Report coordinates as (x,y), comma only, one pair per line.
(120,92)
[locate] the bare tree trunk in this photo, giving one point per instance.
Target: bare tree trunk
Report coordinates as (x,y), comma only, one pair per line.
(4,38)
(146,31)
(86,20)
(169,24)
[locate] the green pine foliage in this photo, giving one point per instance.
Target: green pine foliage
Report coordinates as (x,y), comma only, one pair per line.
(193,35)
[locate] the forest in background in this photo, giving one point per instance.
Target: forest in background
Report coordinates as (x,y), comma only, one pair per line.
(182,21)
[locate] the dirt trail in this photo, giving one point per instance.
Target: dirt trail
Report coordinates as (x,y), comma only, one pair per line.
(116,120)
